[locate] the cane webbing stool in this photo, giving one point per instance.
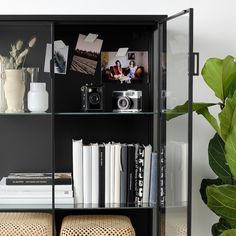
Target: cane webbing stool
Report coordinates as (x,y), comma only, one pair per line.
(176,224)
(25,224)
(97,225)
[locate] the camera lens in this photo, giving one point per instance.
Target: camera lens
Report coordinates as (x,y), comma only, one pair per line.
(94,98)
(123,103)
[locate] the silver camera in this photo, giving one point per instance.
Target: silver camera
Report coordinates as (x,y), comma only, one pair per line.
(127,101)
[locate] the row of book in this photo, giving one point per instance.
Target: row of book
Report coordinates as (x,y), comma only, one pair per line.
(114,173)
(36,188)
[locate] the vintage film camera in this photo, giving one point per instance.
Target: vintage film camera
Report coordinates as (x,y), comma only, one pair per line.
(127,101)
(92,97)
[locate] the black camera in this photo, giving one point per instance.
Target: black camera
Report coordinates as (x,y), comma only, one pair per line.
(127,101)
(92,98)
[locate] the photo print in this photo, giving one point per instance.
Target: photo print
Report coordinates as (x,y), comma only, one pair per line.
(127,69)
(86,55)
(60,57)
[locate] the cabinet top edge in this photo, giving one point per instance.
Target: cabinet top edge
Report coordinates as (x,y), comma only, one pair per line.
(85,18)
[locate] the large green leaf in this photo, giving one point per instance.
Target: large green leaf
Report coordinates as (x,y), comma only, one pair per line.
(229,232)
(222,200)
(183,109)
(216,155)
(219,74)
(218,228)
(210,118)
(230,151)
(232,89)
(227,117)
(205,183)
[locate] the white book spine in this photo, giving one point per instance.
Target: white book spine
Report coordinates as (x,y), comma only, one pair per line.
(107,172)
(31,194)
(181,172)
(112,173)
(78,170)
(95,173)
(147,172)
(87,172)
(117,170)
(36,201)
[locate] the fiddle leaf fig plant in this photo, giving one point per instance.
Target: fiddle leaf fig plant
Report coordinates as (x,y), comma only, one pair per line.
(219,194)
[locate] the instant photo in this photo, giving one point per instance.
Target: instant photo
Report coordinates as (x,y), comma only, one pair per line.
(86,55)
(60,58)
(127,69)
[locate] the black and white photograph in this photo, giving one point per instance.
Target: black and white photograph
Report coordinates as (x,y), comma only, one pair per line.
(60,59)
(86,55)
(127,69)
(131,56)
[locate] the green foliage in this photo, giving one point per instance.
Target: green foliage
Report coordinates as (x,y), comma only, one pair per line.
(216,154)
(220,194)
(183,109)
(230,151)
(219,74)
(222,200)
(227,117)
(229,232)
(218,228)
(210,118)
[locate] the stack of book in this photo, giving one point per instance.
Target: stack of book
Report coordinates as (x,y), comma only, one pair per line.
(114,173)
(36,188)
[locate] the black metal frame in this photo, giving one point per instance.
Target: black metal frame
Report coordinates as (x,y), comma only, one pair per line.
(192,72)
(152,20)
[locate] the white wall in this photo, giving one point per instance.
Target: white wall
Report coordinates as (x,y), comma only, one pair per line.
(215,36)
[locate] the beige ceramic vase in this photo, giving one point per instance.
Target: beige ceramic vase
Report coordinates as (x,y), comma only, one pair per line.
(14,89)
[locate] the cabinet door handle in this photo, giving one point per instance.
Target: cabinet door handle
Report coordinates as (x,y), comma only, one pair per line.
(196,63)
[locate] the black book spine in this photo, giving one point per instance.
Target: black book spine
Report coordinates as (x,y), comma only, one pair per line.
(130,176)
(101,196)
(123,174)
(139,173)
(36,181)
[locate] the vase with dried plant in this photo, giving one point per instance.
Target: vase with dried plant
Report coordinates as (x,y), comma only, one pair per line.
(14,75)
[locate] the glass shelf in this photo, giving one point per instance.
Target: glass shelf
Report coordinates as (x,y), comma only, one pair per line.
(103,113)
(26,114)
(107,206)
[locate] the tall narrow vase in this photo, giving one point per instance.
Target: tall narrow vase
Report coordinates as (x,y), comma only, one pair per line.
(14,88)
(3,104)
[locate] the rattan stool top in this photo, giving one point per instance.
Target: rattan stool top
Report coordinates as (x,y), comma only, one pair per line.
(97,225)
(25,224)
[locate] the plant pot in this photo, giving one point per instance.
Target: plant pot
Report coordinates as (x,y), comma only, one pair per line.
(3,104)
(14,89)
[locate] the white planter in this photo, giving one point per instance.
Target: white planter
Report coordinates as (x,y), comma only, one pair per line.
(37,97)
(14,89)
(3,104)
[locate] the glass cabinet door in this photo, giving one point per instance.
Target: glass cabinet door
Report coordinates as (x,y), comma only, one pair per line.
(175,41)
(26,154)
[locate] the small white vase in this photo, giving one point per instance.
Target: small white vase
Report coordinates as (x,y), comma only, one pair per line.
(14,88)
(37,97)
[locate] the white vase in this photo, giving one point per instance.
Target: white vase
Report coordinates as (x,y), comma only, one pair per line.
(14,89)
(3,104)
(37,97)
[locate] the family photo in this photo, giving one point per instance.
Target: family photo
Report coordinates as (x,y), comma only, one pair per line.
(124,69)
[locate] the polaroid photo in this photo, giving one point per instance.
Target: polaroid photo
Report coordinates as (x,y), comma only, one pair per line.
(86,55)
(60,58)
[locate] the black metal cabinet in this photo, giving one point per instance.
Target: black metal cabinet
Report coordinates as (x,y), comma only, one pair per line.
(41,142)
